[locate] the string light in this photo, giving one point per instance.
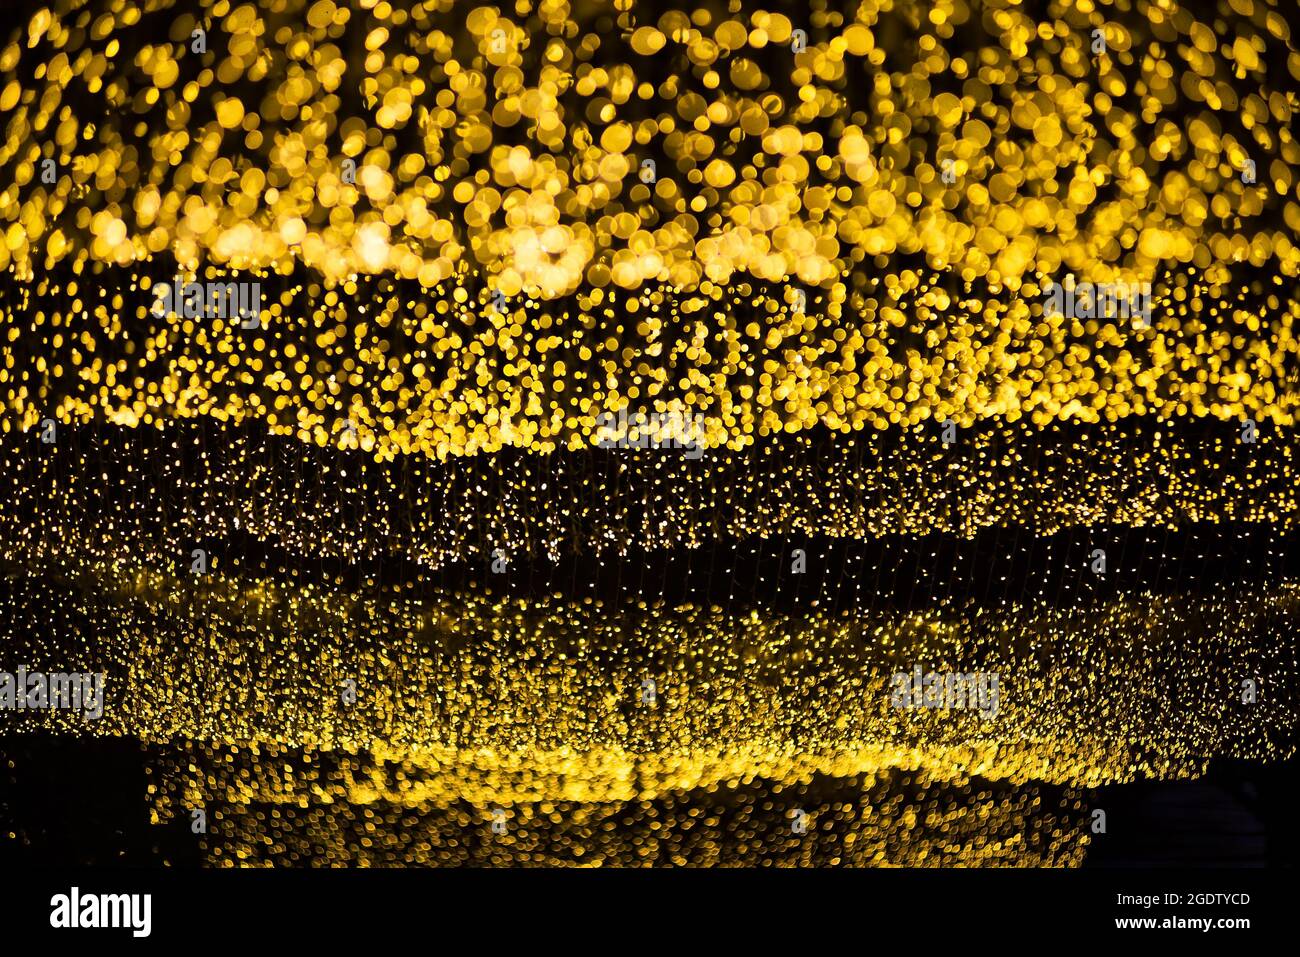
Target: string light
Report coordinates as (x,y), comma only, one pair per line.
(469,234)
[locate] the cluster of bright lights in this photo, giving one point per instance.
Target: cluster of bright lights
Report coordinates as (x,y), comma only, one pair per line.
(855,233)
(151,496)
(825,234)
(870,820)
(513,700)
(468,708)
